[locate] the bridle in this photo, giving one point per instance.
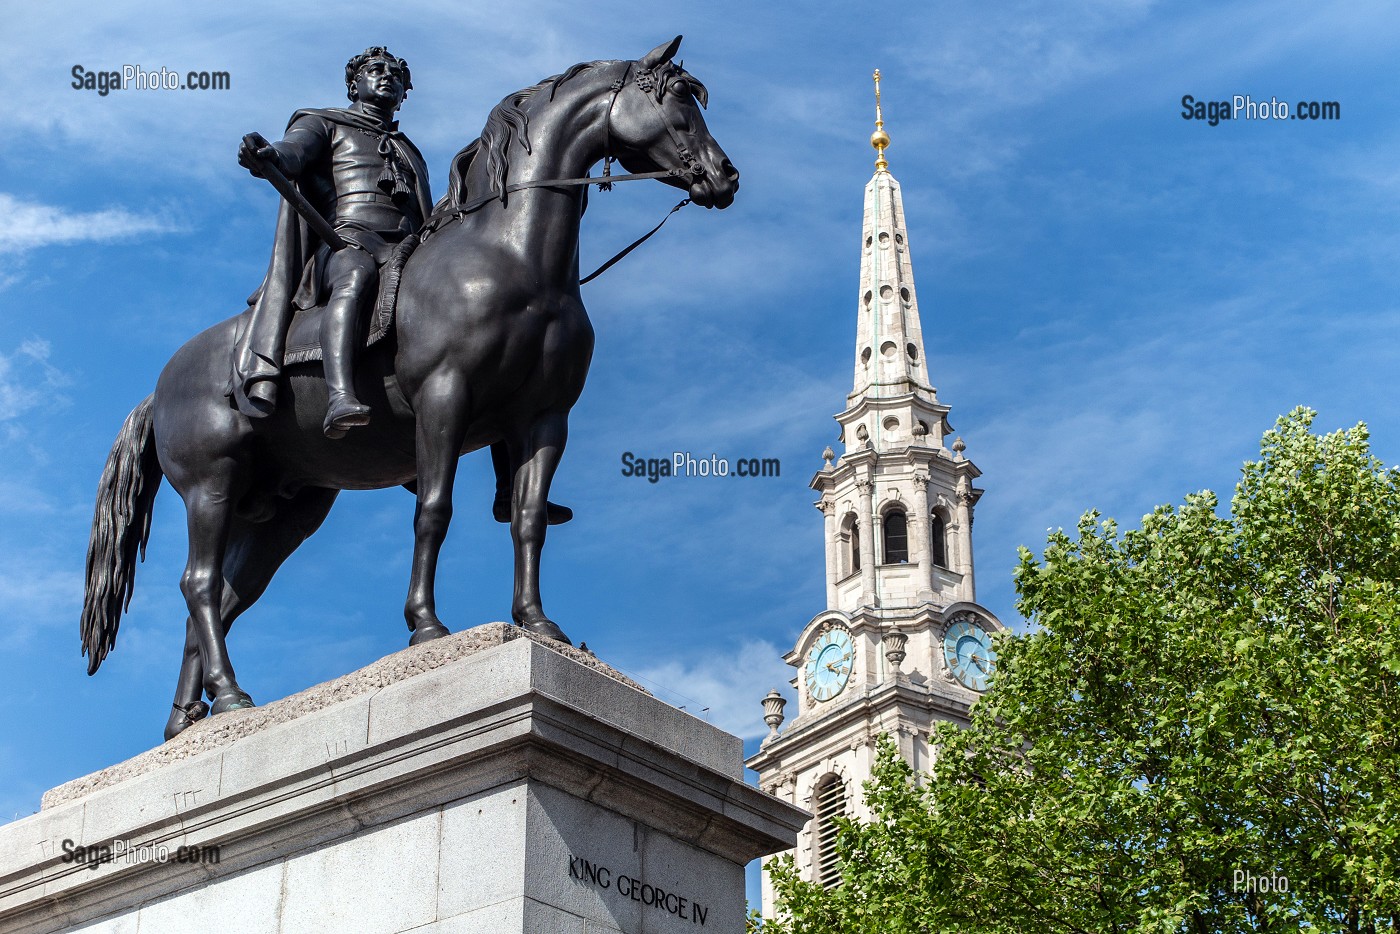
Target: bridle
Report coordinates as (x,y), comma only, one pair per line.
(645,80)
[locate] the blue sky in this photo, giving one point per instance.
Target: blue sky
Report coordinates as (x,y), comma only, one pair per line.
(1116,302)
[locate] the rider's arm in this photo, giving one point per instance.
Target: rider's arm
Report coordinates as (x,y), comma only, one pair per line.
(307,140)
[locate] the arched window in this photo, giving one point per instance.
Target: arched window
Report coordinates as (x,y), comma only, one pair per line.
(939,536)
(849,545)
(829,798)
(896,529)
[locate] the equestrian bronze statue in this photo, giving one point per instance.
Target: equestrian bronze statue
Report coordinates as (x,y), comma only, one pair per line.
(477,337)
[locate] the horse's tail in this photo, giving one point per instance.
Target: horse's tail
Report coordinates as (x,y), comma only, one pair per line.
(121,523)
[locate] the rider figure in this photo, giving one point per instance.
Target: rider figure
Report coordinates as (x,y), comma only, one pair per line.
(354,166)
(370,182)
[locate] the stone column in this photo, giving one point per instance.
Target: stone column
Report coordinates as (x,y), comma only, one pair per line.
(833,549)
(964,500)
(920,534)
(904,738)
(865,504)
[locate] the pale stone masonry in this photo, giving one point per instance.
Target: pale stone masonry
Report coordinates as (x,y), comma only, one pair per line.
(879,654)
(484,783)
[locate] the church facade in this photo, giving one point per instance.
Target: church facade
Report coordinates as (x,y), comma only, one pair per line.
(902,643)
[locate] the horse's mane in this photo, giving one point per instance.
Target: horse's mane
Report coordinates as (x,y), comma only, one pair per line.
(507,122)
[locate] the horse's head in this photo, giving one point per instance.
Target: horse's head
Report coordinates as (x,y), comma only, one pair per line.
(655,124)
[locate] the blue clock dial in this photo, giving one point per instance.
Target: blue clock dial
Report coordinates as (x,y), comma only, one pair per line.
(828,665)
(968,653)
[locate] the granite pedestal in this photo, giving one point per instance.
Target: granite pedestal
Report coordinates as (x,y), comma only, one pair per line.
(481,783)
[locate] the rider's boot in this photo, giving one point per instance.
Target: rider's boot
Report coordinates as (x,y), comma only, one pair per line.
(343,411)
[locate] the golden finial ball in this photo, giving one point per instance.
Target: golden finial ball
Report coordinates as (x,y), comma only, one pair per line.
(879,139)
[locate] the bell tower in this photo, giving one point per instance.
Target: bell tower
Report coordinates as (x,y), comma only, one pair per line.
(902,643)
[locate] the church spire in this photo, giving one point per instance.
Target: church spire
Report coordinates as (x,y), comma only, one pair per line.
(890,360)
(879,139)
(888,652)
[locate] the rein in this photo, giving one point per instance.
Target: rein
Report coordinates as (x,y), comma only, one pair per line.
(604,181)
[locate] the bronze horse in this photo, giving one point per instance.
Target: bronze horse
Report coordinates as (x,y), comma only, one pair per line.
(492,345)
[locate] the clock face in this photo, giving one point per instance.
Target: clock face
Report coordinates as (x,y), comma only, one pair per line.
(967,651)
(828,666)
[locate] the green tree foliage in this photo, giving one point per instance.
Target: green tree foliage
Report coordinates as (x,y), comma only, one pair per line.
(1206,713)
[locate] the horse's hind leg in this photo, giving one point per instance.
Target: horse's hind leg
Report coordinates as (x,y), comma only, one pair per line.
(530,517)
(209,503)
(255,552)
(500,506)
(188,708)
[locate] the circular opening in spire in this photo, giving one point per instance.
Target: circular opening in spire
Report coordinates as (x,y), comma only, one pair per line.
(865,355)
(899,239)
(884,239)
(887,349)
(886,293)
(868,241)
(904,294)
(913,352)
(867,297)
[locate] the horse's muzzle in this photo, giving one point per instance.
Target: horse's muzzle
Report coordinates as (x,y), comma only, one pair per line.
(715,188)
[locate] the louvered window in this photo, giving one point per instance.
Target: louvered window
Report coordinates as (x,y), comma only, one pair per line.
(896,538)
(940,541)
(830,803)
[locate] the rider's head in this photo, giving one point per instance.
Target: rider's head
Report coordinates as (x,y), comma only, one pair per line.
(377,74)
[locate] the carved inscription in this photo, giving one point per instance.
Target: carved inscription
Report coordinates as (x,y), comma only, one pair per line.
(600,876)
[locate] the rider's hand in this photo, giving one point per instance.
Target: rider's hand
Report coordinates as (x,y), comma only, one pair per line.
(255,151)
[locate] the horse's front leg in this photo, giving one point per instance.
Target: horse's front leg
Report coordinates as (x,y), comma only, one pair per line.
(441,408)
(530,517)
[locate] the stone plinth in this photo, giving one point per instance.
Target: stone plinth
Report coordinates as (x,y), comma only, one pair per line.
(486,783)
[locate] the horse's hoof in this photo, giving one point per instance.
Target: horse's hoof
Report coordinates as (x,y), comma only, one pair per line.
(182,718)
(545,627)
(554,513)
(428,633)
(231,700)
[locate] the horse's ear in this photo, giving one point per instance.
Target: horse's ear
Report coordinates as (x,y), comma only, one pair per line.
(660,55)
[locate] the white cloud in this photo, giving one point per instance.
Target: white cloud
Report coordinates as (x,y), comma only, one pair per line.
(38,595)
(28,381)
(31,225)
(725,688)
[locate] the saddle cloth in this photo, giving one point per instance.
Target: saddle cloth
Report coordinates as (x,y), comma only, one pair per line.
(304,334)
